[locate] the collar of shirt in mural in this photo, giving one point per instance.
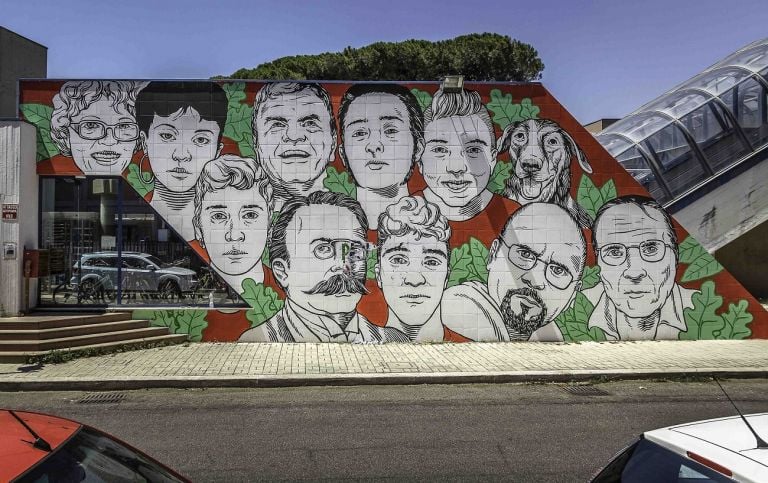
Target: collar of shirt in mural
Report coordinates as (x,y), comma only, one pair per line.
(362,212)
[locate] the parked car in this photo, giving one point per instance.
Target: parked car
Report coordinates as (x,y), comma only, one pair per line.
(96,274)
(36,447)
(723,449)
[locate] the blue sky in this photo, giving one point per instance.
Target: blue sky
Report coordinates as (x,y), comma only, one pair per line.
(603,58)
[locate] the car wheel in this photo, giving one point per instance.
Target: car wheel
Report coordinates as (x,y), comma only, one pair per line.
(169,290)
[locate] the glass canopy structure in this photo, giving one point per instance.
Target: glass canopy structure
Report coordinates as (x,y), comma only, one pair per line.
(704,127)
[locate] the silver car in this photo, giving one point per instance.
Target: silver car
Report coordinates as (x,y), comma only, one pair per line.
(141,273)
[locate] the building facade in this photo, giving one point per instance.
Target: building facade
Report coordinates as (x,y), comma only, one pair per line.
(356,212)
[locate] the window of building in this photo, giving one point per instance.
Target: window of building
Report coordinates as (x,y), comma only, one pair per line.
(106,246)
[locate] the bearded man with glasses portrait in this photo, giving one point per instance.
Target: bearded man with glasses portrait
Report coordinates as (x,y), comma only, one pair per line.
(534,271)
(636,249)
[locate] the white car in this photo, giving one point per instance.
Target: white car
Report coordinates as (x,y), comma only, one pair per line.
(722,449)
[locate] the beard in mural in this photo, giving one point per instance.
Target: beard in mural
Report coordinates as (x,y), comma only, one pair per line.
(233,207)
(636,248)
(318,252)
(459,154)
(295,137)
(381,131)
(94,122)
(412,268)
(541,152)
(179,134)
(534,271)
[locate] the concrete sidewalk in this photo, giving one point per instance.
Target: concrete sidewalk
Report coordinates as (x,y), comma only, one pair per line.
(262,365)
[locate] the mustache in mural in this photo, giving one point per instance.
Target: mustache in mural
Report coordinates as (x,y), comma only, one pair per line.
(337,284)
(527,316)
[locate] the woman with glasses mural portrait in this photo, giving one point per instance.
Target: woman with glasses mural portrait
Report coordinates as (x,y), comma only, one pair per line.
(180,129)
(94,122)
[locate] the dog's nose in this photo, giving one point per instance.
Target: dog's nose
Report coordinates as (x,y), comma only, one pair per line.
(530,165)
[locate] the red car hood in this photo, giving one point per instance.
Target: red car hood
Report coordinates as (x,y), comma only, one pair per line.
(17,454)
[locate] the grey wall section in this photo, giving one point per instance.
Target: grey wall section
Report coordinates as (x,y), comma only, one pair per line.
(728,211)
(732,223)
(19,58)
(20,186)
(747,259)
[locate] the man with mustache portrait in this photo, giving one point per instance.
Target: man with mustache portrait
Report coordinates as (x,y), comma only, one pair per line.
(318,251)
(295,137)
(534,271)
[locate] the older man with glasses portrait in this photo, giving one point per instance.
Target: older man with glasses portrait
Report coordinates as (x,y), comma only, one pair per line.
(534,271)
(636,249)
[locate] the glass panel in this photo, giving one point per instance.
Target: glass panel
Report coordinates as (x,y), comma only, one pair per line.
(77,220)
(159,267)
(615,145)
(718,81)
(680,167)
(651,462)
(79,228)
(754,58)
(640,126)
(678,104)
(94,456)
(635,163)
(715,134)
(751,115)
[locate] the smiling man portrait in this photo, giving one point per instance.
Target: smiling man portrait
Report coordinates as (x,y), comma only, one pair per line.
(294,133)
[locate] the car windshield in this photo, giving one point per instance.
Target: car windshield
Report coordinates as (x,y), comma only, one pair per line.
(92,456)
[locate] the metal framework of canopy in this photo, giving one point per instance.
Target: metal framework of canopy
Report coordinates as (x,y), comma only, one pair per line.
(702,127)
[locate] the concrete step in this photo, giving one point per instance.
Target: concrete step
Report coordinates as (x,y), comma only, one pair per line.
(14,357)
(80,340)
(44,320)
(70,331)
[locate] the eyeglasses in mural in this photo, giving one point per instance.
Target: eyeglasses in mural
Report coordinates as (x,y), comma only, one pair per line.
(390,212)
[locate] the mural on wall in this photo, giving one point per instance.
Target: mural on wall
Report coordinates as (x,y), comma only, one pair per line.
(392,212)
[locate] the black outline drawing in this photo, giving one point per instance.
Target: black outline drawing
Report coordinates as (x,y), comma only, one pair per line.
(522,299)
(293,140)
(459,164)
(105,155)
(164,111)
(322,310)
(413,239)
(234,243)
(543,160)
(378,128)
(636,297)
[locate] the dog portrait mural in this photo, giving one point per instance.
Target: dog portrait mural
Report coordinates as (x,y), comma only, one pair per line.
(382,212)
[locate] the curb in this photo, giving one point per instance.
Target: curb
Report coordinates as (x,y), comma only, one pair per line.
(191,382)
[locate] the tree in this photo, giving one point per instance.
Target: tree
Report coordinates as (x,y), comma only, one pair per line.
(479,57)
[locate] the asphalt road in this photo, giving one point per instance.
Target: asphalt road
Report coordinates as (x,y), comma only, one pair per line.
(536,432)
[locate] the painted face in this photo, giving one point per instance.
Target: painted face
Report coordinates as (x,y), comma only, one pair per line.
(328,252)
(234,225)
(294,137)
(412,273)
(458,159)
(535,265)
(378,143)
(636,259)
(102,138)
(178,146)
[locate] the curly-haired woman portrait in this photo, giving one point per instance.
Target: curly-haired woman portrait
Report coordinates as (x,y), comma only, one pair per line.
(94,122)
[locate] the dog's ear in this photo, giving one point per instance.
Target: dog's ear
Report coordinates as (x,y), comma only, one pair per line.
(505,141)
(576,150)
